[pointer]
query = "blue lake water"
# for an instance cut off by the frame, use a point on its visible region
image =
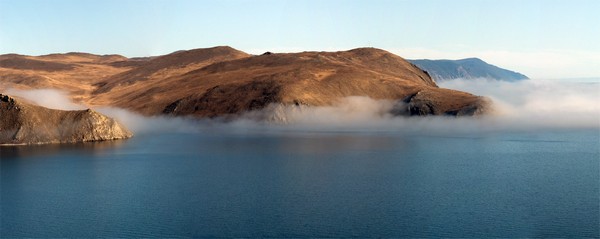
(306, 184)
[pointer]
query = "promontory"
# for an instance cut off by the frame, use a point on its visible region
(24, 123)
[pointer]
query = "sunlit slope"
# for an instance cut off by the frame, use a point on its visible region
(307, 78)
(221, 81)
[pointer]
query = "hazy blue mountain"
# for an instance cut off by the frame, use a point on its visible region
(466, 68)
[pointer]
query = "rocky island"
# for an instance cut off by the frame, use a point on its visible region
(24, 123)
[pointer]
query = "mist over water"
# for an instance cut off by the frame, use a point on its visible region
(140, 124)
(538, 103)
(346, 170)
(49, 98)
(517, 106)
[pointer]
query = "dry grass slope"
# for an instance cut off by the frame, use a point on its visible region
(218, 81)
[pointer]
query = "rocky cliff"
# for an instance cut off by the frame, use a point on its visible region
(23, 123)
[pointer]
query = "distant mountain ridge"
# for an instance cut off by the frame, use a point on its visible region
(469, 68)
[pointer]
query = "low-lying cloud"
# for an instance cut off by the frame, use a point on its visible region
(519, 106)
(137, 123)
(539, 103)
(140, 124)
(49, 98)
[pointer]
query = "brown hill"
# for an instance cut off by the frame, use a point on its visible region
(307, 78)
(152, 69)
(23, 123)
(220, 81)
(81, 57)
(79, 73)
(74, 73)
(24, 63)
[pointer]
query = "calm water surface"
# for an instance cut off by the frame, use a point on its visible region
(299, 184)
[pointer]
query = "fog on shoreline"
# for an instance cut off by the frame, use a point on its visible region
(518, 106)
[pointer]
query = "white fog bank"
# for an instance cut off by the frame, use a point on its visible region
(49, 98)
(521, 106)
(539, 103)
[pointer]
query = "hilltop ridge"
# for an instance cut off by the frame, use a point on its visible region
(222, 81)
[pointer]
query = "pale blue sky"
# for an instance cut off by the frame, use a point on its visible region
(540, 38)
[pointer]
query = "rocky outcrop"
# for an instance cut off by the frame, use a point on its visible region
(428, 102)
(23, 123)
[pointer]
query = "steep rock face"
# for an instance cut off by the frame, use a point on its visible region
(445, 102)
(22, 123)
